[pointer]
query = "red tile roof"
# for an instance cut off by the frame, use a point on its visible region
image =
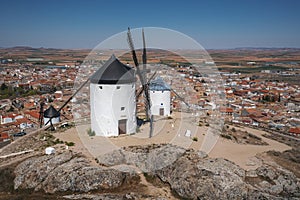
(295, 130)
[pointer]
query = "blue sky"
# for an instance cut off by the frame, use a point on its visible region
(214, 24)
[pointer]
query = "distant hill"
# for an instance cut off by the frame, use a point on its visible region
(266, 48)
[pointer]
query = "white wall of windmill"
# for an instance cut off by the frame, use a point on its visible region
(160, 100)
(109, 105)
(54, 120)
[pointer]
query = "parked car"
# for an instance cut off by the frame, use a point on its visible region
(20, 134)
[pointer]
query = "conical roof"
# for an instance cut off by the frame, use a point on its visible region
(159, 85)
(113, 72)
(51, 112)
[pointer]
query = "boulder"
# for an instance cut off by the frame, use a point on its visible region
(68, 172)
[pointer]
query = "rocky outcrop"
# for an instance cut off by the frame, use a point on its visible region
(274, 181)
(146, 158)
(67, 172)
(191, 174)
(196, 178)
(128, 196)
(194, 175)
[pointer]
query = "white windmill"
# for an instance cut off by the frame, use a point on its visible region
(112, 99)
(51, 115)
(160, 97)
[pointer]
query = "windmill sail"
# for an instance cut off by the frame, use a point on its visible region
(144, 57)
(140, 75)
(68, 100)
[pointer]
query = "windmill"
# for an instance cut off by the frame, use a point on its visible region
(52, 115)
(143, 79)
(142, 76)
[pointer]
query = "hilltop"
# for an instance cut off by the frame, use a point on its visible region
(150, 171)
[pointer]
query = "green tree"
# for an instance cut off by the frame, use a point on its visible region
(3, 86)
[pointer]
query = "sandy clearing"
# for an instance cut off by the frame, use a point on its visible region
(173, 131)
(244, 155)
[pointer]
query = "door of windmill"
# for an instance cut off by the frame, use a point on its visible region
(122, 126)
(161, 111)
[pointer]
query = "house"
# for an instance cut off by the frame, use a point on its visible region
(4, 137)
(295, 131)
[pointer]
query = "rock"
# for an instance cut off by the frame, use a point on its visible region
(277, 181)
(276, 189)
(251, 174)
(67, 172)
(115, 157)
(193, 177)
(202, 154)
(266, 172)
(128, 196)
(191, 174)
(146, 158)
(31, 172)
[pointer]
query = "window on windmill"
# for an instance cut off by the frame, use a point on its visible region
(122, 108)
(101, 87)
(118, 87)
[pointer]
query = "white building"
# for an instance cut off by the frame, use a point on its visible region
(160, 97)
(51, 112)
(113, 99)
(49, 150)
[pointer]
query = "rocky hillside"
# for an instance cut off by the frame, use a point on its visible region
(194, 175)
(169, 172)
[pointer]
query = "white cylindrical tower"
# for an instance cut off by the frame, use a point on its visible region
(160, 97)
(112, 99)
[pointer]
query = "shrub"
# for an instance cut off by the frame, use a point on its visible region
(58, 141)
(70, 144)
(226, 136)
(91, 132)
(195, 139)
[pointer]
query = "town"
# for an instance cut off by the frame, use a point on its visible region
(259, 94)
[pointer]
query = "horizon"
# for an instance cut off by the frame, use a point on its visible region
(215, 25)
(233, 48)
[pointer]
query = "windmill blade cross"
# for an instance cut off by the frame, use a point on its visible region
(144, 85)
(144, 56)
(180, 98)
(81, 86)
(140, 91)
(133, 53)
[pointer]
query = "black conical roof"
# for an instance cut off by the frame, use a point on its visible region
(51, 112)
(113, 72)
